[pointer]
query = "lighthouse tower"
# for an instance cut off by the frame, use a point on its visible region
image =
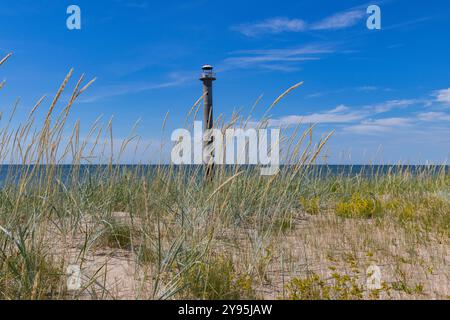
(207, 77)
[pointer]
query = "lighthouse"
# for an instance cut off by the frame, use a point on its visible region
(207, 77)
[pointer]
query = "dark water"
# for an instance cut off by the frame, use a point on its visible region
(9, 173)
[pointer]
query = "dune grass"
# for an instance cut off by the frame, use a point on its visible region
(165, 234)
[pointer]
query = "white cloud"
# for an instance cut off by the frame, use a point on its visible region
(109, 91)
(392, 104)
(340, 20)
(433, 116)
(278, 25)
(250, 60)
(343, 114)
(340, 114)
(367, 88)
(133, 4)
(443, 96)
(271, 26)
(364, 89)
(392, 122)
(274, 58)
(307, 49)
(378, 125)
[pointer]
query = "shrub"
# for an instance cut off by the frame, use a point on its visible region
(26, 272)
(313, 287)
(309, 288)
(217, 279)
(310, 205)
(116, 235)
(359, 207)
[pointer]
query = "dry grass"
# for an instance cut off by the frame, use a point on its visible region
(164, 234)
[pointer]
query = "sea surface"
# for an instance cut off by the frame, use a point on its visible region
(9, 173)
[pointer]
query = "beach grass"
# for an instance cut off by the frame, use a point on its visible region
(166, 233)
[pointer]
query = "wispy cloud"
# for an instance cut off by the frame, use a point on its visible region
(407, 23)
(365, 89)
(433, 116)
(340, 20)
(133, 4)
(115, 90)
(443, 96)
(274, 58)
(271, 26)
(378, 126)
(393, 104)
(340, 114)
(360, 119)
(278, 25)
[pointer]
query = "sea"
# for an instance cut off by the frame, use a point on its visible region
(9, 173)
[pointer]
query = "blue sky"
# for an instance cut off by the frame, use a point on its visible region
(385, 92)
